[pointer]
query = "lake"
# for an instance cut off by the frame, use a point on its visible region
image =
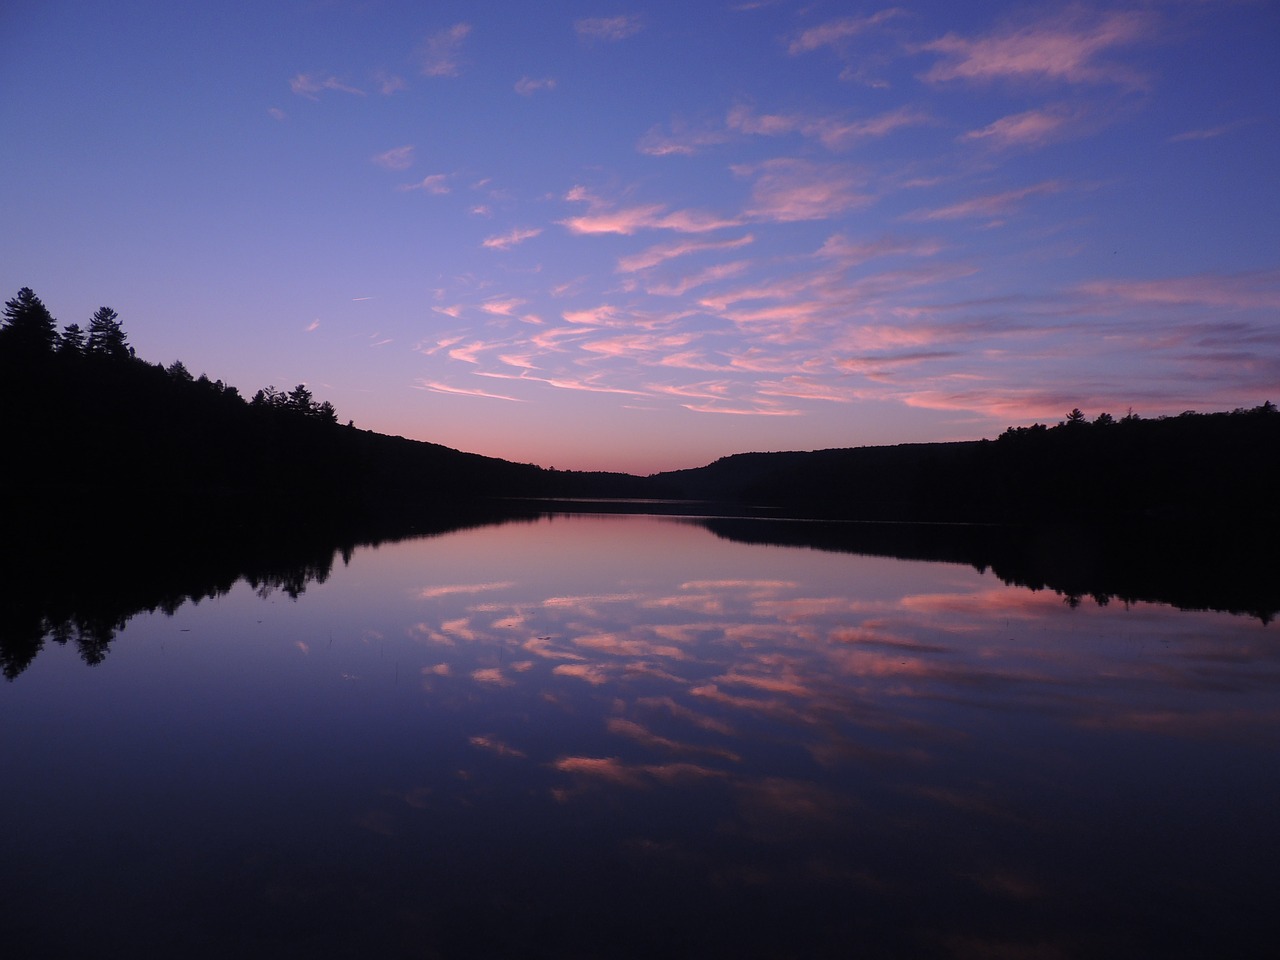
(600, 736)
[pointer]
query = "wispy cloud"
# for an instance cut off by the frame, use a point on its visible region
(436, 183)
(502, 306)
(833, 132)
(681, 139)
(720, 271)
(311, 86)
(453, 589)
(836, 33)
(1032, 128)
(1209, 133)
(608, 28)
(397, 158)
(441, 52)
(436, 387)
(851, 253)
(1068, 48)
(589, 384)
(629, 220)
(989, 206)
(469, 352)
(736, 411)
(789, 189)
(275, 113)
(528, 86)
(652, 256)
(389, 83)
(513, 237)
(1259, 289)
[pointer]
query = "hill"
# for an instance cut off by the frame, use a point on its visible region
(99, 442)
(1204, 468)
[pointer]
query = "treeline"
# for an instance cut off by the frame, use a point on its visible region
(1193, 468)
(98, 441)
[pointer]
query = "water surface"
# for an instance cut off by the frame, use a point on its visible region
(589, 736)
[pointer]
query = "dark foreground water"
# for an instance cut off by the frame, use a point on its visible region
(623, 736)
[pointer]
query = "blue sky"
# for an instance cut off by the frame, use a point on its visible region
(643, 236)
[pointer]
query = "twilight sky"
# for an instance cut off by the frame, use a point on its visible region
(643, 235)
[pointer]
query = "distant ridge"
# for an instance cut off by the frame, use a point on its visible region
(1216, 467)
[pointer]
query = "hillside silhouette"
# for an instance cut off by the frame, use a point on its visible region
(100, 441)
(1215, 468)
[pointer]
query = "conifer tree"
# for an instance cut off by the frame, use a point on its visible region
(28, 325)
(106, 336)
(71, 340)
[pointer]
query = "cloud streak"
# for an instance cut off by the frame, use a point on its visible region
(1068, 48)
(608, 29)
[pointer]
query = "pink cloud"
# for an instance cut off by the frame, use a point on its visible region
(1259, 289)
(660, 253)
(1209, 133)
(435, 387)
(1065, 49)
(651, 217)
(990, 206)
(436, 184)
(742, 411)
(592, 673)
(834, 33)
(502, 306)
(309, 86)
(468, 353)
(720, 271)
(452, 589)
(833, 132)
(495, 745)
(849, 253)
(389, 83)
(518, 361)
(397, 158)
(800, 388)
(603, 218)
(506, 241)
(441, 51)
(681, 140)
(608, 28)
(1033, 128)
(604, 315)
(788, 189)
(528, 86)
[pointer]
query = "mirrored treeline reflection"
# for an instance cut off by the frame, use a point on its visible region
(623, 736)
(84, 594)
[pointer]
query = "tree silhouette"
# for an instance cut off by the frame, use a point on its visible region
(72, 340)
(28, 325)
(106, 337)
(300, 399)
(1076, 419)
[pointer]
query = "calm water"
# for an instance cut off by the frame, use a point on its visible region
(606, 736)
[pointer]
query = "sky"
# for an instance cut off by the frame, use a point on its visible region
(640, 236)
